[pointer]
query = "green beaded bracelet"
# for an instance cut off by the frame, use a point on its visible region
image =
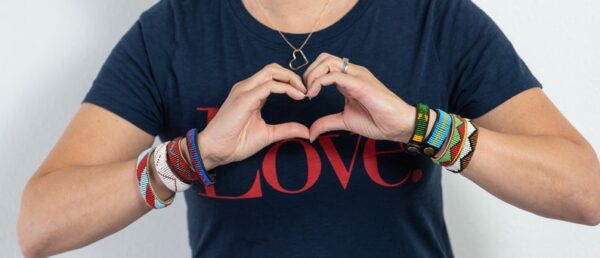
(421, 124)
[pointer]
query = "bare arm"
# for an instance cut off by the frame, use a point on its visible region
(529, 155)
(86, 188)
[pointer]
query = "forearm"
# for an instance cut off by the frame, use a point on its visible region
(75, 206)
(547, 175)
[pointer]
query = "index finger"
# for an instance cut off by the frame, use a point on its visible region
(278, 73)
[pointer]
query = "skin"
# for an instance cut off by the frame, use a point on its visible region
(548, 168)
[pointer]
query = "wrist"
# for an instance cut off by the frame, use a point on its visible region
(208, 160)
(409, 126)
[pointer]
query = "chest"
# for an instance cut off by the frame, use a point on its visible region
(204, 71)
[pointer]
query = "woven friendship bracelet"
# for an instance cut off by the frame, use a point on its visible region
(455, 138)
(143, 177)
(438, 136)
(195, 157)
(421, 124)
(468, 149)
(164, 172)
(178, 163)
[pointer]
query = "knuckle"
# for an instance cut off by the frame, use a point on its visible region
(235, 87)
(324, 55)
(265, 69)
(330, 65)
(240, 89)
(273, 66)
(363, 69)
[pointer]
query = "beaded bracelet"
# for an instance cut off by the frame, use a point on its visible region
(456, 149)
(441, 129)
(143, 178)
(468, 149)
(446, 142)
(164, 172)
(456, 136)
(179, 164)
(421, 124)
(195, 158)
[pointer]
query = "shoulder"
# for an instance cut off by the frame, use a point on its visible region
(167, 14)
(435, 11)
(163, 7)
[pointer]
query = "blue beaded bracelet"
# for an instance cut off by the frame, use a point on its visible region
(195, 156)
(441, 129)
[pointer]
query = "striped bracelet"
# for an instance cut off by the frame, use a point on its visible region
(178, 163)
(164, 172)
(143, 178)
(195, 158)
(441, 129)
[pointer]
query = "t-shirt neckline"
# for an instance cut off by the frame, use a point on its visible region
(271, 36)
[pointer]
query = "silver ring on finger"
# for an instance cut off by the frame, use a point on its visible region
(345, 66)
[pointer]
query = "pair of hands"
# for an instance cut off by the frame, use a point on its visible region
(238, 131)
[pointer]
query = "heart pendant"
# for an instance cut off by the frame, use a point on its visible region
(291, 64)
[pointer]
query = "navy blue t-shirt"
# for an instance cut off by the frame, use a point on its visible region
(343, 195)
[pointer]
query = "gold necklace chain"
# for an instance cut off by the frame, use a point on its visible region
(299, 49)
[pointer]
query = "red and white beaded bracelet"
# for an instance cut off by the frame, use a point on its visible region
(143, 177)
(164, 171)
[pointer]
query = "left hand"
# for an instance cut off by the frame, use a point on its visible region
(370, 108)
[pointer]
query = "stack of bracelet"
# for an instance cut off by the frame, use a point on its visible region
(143, 177)
(452, 140)
(172, 167)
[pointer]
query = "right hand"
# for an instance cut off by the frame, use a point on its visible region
(238, 131)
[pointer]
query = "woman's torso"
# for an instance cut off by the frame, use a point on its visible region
(342, 195)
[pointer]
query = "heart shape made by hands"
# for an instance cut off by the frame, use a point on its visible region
(294, 58)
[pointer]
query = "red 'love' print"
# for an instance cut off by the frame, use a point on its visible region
(314, 163)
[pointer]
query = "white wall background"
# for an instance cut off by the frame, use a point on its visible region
(50, 51)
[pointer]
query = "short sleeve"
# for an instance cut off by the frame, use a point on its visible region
(125, 84)
(482, 66)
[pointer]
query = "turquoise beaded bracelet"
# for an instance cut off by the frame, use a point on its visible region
(441, 129)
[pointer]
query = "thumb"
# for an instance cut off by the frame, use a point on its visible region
(327, 123)
(288, 130)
